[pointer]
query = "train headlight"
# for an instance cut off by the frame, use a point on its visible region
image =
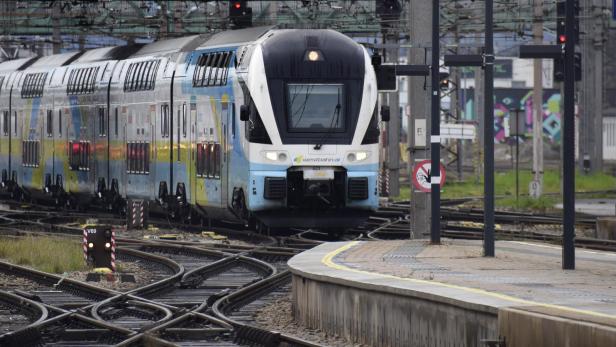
(275, 156)
(313, 55)
(107, 245)
(90, 245)
(358, 156)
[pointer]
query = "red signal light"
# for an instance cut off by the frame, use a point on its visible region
(562, 38)
(237, 5)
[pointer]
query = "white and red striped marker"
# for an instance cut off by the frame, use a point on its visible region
(85, 245)
(113, 250)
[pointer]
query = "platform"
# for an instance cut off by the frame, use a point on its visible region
(594, 207)
(401, 293)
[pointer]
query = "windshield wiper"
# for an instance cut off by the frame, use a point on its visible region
(333, 123)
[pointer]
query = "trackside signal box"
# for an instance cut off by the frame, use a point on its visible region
(99, 246)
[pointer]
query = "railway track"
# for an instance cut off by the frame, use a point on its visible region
(205, 294)
(175, 308)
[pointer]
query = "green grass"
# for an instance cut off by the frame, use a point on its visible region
(504, 185)
(49, 254)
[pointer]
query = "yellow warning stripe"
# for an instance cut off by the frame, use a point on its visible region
(329, 262)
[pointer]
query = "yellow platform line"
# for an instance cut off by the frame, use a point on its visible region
(329, 262)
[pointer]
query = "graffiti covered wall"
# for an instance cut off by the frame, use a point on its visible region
(506, 99)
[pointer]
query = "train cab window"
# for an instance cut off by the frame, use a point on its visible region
(79, 155)
(49, 123)
(102, 122)
(5, 123)
(138, 158)
(315, 108)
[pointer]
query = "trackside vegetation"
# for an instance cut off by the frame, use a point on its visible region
(49, 254)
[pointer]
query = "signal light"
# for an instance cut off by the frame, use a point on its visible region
(562, 39)
(240, 14)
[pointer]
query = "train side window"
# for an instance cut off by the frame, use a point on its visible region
(82, 155)
(129, 155)
(233, 119)
(208, 70)
(164, 120)
(73, 154)
(222, 67)
(116, 122)
(184, 127)
(201, 155)
(37, 147)
(59, 123)
(214, 69)
(5, 123)
(102, 122)
(142, 155)
(24, 153)
(78, 155)
(178, 134)
(146, 158)
(138, 158)
(49, 123)
(216, 155)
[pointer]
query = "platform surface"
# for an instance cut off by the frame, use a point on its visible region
(522, 274)
(594, 207)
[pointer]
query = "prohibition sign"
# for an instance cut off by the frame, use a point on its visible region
(421, 176)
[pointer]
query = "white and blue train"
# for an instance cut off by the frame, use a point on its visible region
(277, 127)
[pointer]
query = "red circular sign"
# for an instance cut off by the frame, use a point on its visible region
(421, 176)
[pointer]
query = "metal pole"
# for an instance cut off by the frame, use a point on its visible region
(420, 35)
(568, 143)
(517, 158)
(488, 187)
(538, 97)
(435, 141)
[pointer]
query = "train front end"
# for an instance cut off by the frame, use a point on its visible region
(310, 130)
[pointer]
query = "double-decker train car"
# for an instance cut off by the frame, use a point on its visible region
(270, 127)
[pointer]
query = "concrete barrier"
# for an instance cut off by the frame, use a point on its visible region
(537, 326)
(377, 318)
(606, 228)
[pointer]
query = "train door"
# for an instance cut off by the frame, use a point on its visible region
(224, 163)
(162, 129)
(48, 151)
(100, 145)
(192, 162)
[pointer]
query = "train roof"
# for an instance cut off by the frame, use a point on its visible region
(239, 36)
(163, 47)
(55, 60)
(108, 53)
(17, 64)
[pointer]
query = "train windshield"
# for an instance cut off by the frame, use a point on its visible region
(315, 108)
